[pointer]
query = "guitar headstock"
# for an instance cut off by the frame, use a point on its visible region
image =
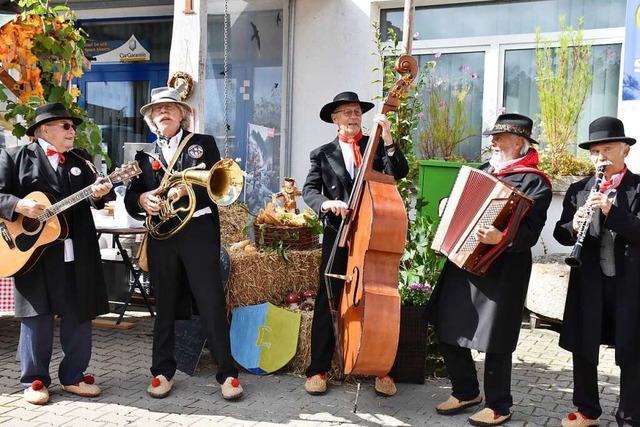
(125, 172)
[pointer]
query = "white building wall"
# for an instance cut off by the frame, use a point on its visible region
(333, 52)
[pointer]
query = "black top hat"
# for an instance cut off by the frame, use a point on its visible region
(606, 129)
(49, 112)
(516, 124)
(343, 98)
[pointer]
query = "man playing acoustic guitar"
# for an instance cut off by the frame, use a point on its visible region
(67, 279)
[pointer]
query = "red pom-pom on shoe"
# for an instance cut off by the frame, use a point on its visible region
(89, 379)
(37, 385)
(235, 382)
(572, 416)
(155, 382)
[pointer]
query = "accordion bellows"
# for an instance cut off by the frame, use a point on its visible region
(478, 199)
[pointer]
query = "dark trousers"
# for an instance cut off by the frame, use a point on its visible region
(464, 378)
(36, 341)
(586, 391)
(189, 261)
(585, 374)
(322, 334)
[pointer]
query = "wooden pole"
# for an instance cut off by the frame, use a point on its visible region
(407, 34)
(9, 82)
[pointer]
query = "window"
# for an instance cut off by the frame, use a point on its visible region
(497, 39)
(521, 92)
(252, 101)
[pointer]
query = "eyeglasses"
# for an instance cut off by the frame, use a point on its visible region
(349, 113)
(65, 126)
(164, 106)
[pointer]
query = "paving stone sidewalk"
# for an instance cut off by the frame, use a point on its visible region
(541, 390)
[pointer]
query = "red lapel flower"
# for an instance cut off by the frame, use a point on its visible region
(155, 165)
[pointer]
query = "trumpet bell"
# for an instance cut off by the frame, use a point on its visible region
(225, 183)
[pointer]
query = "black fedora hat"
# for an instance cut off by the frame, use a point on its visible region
(516, 124)
(606, 129)
(50, 112)
(343, 98)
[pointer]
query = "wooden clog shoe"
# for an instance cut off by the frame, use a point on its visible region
(452, 405)
(316, 385)
(577, 419)
(160, 387)
(488, 417)
(85, 388)
(36, 393)
(385, 386)
(231, 389)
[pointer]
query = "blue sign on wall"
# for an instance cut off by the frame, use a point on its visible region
(631, 77)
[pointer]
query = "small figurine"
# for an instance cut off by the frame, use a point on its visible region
(288, 192)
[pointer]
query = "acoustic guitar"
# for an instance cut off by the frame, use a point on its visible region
(24, 239)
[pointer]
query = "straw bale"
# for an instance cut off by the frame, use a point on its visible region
(261, 277)
(232, 220)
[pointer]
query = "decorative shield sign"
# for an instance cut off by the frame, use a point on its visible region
(264, 337)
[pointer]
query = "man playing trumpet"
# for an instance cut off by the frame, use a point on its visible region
(603, 300)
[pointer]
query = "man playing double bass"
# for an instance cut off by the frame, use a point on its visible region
(485, 313)
(334, 167)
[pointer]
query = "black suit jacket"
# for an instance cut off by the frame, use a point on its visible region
(582, 320)
(328, 178)
(200, 149)
(26, 169)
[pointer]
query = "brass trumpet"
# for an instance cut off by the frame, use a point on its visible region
(224, 183)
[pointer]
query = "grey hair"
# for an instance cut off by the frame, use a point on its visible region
(184, 122)
(525, 147)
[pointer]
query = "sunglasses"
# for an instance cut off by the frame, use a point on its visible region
(65, 126)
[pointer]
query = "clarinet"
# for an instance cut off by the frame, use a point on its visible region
(573, 259)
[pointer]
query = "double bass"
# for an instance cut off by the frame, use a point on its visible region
(367, 322)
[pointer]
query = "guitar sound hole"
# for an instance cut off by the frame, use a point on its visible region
(31, 225)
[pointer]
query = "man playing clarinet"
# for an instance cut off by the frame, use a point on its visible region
(603, 300)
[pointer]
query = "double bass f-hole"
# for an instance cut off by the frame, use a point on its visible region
(355, 277)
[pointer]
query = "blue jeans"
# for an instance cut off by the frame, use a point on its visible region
(36, 342)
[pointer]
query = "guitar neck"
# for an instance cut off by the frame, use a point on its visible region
(66, 203)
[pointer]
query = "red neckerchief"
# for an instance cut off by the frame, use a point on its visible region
(526, 164)
(51, 153)
(357, 156)
(614, 182)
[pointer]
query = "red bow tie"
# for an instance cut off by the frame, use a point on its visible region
(53, 153)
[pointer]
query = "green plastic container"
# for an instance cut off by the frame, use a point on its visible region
(435, 180)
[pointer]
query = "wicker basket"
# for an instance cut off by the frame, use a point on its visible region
(292, 237)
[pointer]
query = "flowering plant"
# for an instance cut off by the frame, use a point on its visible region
(419, 265)
(444, 123)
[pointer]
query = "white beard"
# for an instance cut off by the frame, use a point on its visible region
(498, 158)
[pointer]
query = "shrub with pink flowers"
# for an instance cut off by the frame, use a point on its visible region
(444, 123)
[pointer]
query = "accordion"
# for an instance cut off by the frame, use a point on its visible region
(478, 199)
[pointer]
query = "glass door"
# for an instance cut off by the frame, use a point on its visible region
(113, 96)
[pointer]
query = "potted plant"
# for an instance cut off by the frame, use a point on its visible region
(563, 75)
(443, 126)
(419, 271)
(44, 50)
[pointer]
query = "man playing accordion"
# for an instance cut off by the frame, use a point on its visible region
(485, 312)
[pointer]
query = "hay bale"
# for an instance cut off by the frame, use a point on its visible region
(233, 219)
(261, 277)
(300, 362)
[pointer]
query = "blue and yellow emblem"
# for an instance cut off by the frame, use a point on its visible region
(264, 338)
